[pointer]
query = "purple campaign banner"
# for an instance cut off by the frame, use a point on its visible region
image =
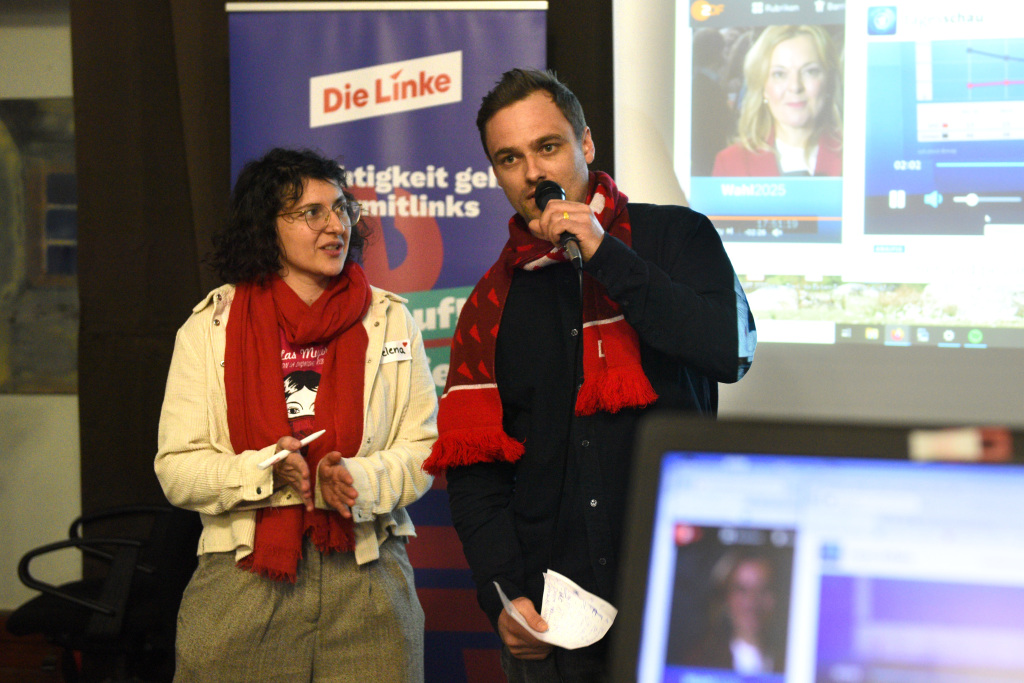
(393, 94)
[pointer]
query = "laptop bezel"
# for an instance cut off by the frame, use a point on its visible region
(663, 433)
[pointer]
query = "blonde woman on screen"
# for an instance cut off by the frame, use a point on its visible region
(790, 119)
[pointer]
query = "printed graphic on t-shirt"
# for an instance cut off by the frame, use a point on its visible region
(300, 393)
(302, 367)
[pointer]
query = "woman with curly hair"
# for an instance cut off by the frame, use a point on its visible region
(790, 119)
(303, 573)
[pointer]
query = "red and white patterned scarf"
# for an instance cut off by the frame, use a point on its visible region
(469, 419)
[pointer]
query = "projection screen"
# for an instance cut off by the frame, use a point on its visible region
(884, 273)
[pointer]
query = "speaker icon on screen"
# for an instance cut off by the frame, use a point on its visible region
(933, 199)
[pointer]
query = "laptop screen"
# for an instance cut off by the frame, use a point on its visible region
(833, 567)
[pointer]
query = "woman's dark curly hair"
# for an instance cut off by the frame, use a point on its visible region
(247, 249)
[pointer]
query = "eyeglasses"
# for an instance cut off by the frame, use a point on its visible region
(318, 216)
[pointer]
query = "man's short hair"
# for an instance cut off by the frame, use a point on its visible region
(518, 84)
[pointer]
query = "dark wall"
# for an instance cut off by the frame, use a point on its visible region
(580, 51)
(152, 131)
(151, 119)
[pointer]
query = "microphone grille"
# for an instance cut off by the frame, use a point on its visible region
(546, 191)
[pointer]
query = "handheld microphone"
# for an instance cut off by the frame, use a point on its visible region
(545, 192)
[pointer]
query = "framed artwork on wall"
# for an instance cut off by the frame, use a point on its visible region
(38, 247)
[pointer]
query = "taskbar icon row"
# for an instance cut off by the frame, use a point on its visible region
(941, 336)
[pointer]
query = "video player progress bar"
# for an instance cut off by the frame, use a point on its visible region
(979, 164)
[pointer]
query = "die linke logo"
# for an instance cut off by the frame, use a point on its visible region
(385, 89)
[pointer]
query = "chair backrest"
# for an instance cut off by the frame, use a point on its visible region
(172, 552)
(124, 613)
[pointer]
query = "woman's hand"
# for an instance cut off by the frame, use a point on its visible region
(293, 470)
(336, 484)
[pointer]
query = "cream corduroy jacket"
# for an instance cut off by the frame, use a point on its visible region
(199, 469)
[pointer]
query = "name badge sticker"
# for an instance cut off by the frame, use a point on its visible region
(396, 350)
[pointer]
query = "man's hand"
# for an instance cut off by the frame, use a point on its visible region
(336, 484)
(562, 216)
(518, 640)
(293, 470)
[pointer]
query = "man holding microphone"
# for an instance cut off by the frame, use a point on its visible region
(556, 357)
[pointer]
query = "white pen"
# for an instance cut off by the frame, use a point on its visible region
(281, 455)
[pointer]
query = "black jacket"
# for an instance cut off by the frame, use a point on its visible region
(561, 505)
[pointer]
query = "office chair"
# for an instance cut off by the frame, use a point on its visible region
(120, 625)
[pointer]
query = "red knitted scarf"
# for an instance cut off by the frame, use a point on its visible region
(256, 403)
(469, 417)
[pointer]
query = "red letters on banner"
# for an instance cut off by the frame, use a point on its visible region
(386, 91)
